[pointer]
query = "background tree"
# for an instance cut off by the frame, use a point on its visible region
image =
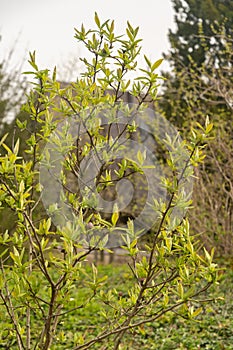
(201, 84)
(12, 91)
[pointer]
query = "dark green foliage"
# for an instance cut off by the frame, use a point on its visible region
(192, 18)
(200, 85)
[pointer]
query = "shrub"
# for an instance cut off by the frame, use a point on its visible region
(86, 133)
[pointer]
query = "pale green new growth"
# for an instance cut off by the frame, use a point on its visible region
(44, 267)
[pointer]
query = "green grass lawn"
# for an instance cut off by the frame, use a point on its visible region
(212, 329)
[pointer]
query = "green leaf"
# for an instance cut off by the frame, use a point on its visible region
(165, 300)
(21, 186)
(168, 241)
(21, 125)
(197, 312)
(3, 139)
(48, 224)
(115, 216)
(156, 64)
(111, 29)
(7, 148)
(208, 256)
(3, 253)
(147, 61)
(97, 21)
(16, 147)
(54, 73)
(141, 157)
(94, 272)
(130, 35)
(32, 60)
(209, 127)
(180, 290)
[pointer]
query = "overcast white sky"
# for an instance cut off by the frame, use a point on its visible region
(47, 26)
